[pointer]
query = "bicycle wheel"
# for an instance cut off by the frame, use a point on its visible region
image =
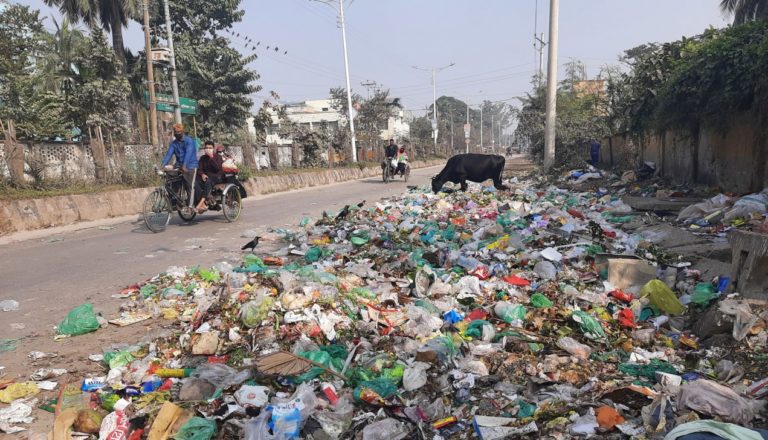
(407, 173)
(385, 174)
(231, 203)
(185, 212)
(157, 211)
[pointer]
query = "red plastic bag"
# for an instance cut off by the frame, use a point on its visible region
(626, 318)
(516, 280)
(481, 272)
(622, 295)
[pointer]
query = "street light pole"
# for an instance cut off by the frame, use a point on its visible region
(150, 77)
(549, 135)
(346, 72)
(434, 96)
(174, 84)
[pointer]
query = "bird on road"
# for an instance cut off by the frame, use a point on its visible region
(343, 213)
(251, 244)
(360, 205)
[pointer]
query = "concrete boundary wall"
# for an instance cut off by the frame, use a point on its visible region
(33, 214)
(733, 157)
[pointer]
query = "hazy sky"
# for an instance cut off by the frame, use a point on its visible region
(491, 42)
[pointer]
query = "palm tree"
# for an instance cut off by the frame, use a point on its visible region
(59, 69)
(744, 11)
(111, 15)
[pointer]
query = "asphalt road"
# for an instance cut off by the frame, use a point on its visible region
(50, 275)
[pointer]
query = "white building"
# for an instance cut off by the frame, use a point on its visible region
(318, 114)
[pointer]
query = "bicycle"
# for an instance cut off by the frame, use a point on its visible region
(386, 171)
(173, 195)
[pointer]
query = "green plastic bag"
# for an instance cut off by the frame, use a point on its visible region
(197, 428)
(394, 374)
(703, 293)
(540, 301)
(359, 238)
(148, 290)
(526, 409)
(209, 275)
(332, 356)
(588, 325)
(313, 254)
(79, 321)
(382, 388)
(475, 329)
(648, 370)
(662, 297)
(117, 358)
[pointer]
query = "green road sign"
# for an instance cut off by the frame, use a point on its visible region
(165, 104)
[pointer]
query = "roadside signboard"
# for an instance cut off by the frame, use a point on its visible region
(165, 104)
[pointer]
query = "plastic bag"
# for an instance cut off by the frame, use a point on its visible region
(481, 329)
(415, 376)
(385, 429)
(662, 297)
(703, 293)
(117, 359)
(588, 325)
(221, 375)
(288, 417)
(375, 392)
(254, 312)
(545, 270)
(540, 301)
(197, 428)
(711, 398)
(79, 321)
(575, 348)
(513, 314)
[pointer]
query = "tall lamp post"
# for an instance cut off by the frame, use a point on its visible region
(342, 24)
(549, 134)
(434, 71)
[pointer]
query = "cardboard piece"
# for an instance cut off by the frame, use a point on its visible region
(625, 271)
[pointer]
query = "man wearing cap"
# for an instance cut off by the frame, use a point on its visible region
(183, 148)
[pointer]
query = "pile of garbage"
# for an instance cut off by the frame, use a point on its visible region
(721, 212)
(523, 313)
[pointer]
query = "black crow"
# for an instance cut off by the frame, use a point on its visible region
(343, 213)
(251, 244)
(360, 205)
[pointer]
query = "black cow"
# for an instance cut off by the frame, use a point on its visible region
(471, 166)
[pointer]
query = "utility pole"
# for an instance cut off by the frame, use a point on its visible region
(150, 77)
(368, 86)
(481, 127)
(549, 135)
(453, 151)
(174, 84)
(493, 141)
(538, 44)
(466, 135)
(434, 96)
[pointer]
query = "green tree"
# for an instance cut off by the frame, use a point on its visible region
(58, 69)
(744, 11)
(217, 76)
(110, 15)
(209, 69)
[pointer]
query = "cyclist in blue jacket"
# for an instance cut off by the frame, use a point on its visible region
(183, 149)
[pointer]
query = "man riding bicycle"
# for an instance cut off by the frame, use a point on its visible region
(183, 149)
(390, 152)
